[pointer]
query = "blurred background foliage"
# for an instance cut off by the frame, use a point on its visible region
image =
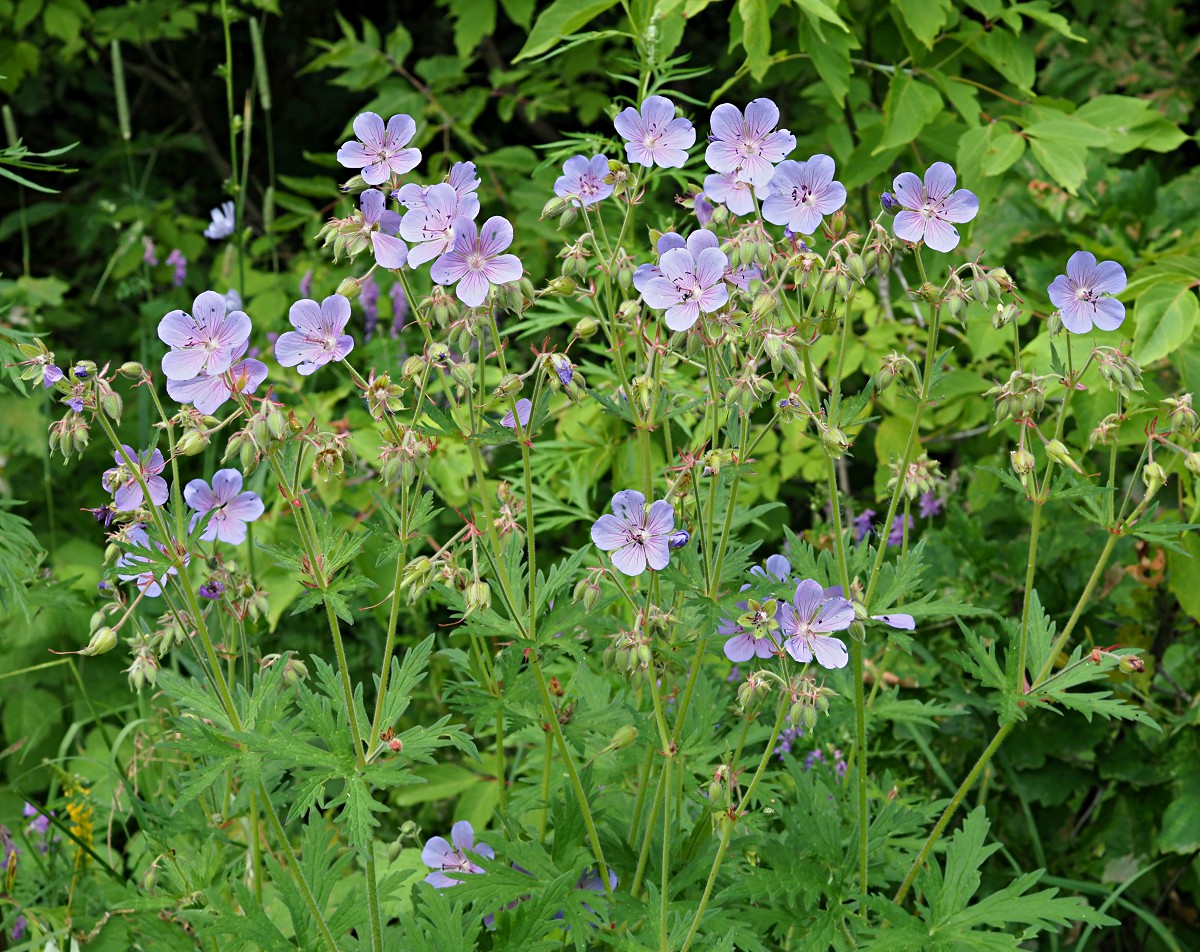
(1074, 123)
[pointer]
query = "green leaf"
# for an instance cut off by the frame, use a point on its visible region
(823, 10)
(910, 106)
(1011, 57)
(558, 21)
(924, 17)
(830, 52)
(1062, 161)
(1185, 575)
(1165, 317)
(756, 36)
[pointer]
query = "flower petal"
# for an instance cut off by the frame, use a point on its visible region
(830, 652)
(198, 495)
(1109, 314)
(226, 483)
(909, 191)
(369, 129)
(939, 181)
(1109, 278)
(608, 532)
(390, 253)
(940, 235)
(629, 506)
(472, 288)
(630, 559)
(960, 207)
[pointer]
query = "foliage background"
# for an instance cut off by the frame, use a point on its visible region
(1073, 122)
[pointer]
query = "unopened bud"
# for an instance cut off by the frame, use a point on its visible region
(586, 327)
(1154, 477)
(478, 597)
(350, 288)
(191, 443)
(105, 639)
(131, 369)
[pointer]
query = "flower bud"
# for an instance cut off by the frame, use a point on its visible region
(104, 639)
(1154, 477)
(132, 369)
(350, 288)
(678, 539)
(417, 576)
(561, 286)
(1131, 664)
(1022, 461)
(586, 327)
(191, 443)
(478, 597)
(836, 442)
(553, 208)
(1192, 463)
(1058, 452)
(889, 203)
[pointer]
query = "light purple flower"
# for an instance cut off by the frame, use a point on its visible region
(1078, 294)
(929, 505)
(431, 223)
(380, 153)
(655, 136)
(777, 567)
(475, 262)
(147, 582)
(464, 179)
(689, 286)
(20, 924)
(180, 264)
(899, 524)
(127, 494)
(50, 376)
(862, 524)
(230, 507)
(318, 337)
(583, 180)
(443, 857)
(747, 147)
(679, 539)
(380, 225)
(929, 209)
(636, 538)
(399, 308)
(807, 621)
(703, 208)
(802, 193)
(889, 203)
(306, 281)
(207, 392)
(149, 254)
(223, 222)
(524, 408)
(203, 341)
(736, 195)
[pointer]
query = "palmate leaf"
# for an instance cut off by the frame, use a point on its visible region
(946, 919)
(1055, 691)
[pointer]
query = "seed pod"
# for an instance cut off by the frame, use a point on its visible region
(586, 327)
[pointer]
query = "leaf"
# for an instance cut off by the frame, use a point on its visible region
(756, 36)
(1011, 57)
(558, 21)
(1165, 317)
(910, 106)
(830, 52)
(1185, 575)
(822, 10)
(924, 17)
(1063, 162)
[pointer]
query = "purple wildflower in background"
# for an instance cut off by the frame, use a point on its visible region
(735, 194)
(443, 857)
(176, 260)
(20, 924)
(862, 524)
(149, 253)
(399, 308)
(128, 495)
(475, 262)
(929, 208)
(39, 823)
(786, 737)
(807, 621)
(369, 299)
(1078, 294)
(381, 225)
(306, 283)
(223, 222)
(203, 341)
(655, 136)
(633, 536)
(524, 408)
(899, 524)
(148, 583)
(747, 147)
(688, 286)
(583, 180)
(380, 151)
(318, 337)
(230, 507)
(929, 505)
(212, 589)
(801, 194)
(6, 841)
(207, 392)
(431, 224)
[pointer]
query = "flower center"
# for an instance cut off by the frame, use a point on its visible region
(1087, 295)
(638, 535)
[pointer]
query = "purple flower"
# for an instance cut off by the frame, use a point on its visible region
(127, 493)
(149, 255)
(442, 857)
(380, 226)
(20, 924)
(583, 180)
(399, 308)
(463, 179)
(306, 283)
(862, 524)
(212, 589)
(655, 136)
(727, 188)
(180, 264)
(896, 534)
(369, 299)
(679, 539)
(50, 376)
(524, 408)
(1078, 294)
(207, 392)
(802, 193)
(203, 341)
(929, 209)
(475, 262)
(689, 285)
(380, 153)
(147, 582)
(432, 222)
(808, 619)
(747, 147)
(703, 208)
(318, 336)
(897, 620)
(778, 568)
(230, 507)
(930, 505)
(889, 203)
(223, 222)
(636, 538)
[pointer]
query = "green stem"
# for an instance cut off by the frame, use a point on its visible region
(665, 881)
